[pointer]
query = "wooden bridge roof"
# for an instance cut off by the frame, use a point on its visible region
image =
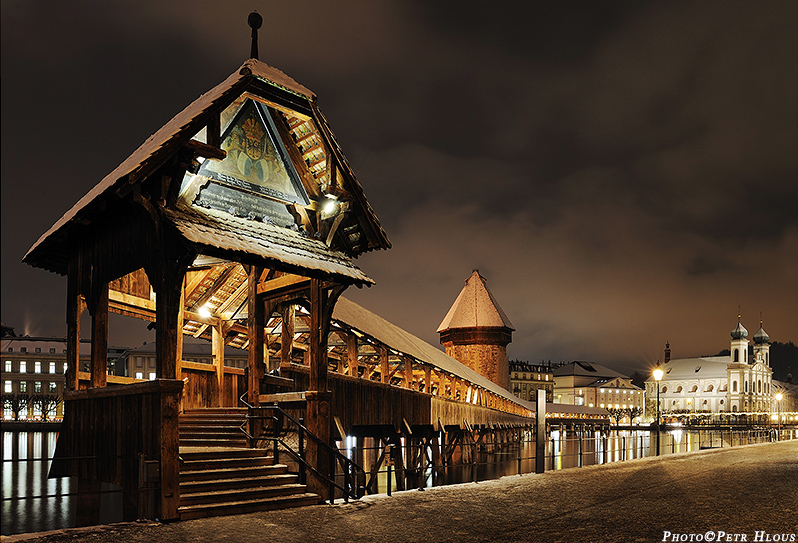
(315, 153)
(371, 324)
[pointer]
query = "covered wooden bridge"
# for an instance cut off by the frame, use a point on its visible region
(238, 222)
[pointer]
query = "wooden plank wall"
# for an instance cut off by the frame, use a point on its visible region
(106, 429)
(358, 402)
(201, 389)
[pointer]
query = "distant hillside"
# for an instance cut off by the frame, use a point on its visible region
(783, 359)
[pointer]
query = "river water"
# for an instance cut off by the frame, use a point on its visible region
(33, 503)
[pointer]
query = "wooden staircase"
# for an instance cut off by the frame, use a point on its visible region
(220, 476)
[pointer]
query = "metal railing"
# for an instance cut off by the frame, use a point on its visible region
(275, 418)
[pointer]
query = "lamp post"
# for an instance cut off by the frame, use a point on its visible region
(778, 411)
(658, 373)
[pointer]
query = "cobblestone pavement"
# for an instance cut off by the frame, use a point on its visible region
(745, 493)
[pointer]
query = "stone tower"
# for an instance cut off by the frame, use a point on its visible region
(476, 331)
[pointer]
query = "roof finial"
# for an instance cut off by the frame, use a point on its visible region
(255, 21)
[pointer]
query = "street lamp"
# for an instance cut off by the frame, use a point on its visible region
(658, 373)
(778, 408)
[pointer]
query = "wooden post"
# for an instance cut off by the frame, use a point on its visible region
(256, 321)
(351, 352)
(318, 398)
(99, 338)
(170, 462)
(287, 335)
(74, 310)
(217, 346)
(179, 346)
(171, 261)
(427, 379)
(408, 373)
(384, 367)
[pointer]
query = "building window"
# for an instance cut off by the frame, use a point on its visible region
(37, 349)
(152, 376)
(52, 367)
(23, 386)
(37, 386)
(52, 350)
(52, 387)
(736, 355)
(8, 365)
(23, 349)
(23, 366)
(139, 375)
(139, 362)
(7, 388)
(746, 386)
(37, 367)
(734, 386)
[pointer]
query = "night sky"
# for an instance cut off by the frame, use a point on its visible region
(622, 173)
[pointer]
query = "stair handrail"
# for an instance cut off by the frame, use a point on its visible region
(353, 473)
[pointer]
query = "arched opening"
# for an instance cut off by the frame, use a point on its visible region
(736, 355)
(734, 386)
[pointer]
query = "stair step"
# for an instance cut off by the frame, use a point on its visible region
(201, 433)
(202, 453)
(221, 442)
(224, 463)
(247, 506)
(237, 473)
(240, 494)
(191, 487)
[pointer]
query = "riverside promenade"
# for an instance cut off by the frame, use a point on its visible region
(747, 493)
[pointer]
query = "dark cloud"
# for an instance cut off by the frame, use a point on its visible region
(622, 172)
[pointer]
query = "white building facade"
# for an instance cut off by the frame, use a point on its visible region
(737, 383)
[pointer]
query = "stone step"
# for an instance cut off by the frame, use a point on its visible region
(248, 506)
(217, 442)
(234, 473)
(224, 463)
(240, 494)
(211, 453)
(191, 487)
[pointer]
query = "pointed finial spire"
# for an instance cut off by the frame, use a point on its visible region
(255, 21)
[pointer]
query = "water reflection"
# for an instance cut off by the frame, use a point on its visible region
(31, 501)
(34, 503)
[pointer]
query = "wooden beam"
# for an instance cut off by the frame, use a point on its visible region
(99, 337)
(287, 334)
(283, 282)
(217, 346)
(384, 367)
(351, 351)
(74, 310)
(206, 151)
(256, 321)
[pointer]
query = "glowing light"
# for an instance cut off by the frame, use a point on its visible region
(204, 311)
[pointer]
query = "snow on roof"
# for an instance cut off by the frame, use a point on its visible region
(170, 133)
(586, 369)
(694, 368)
(215, 229)
(475, 307)
(355, 316)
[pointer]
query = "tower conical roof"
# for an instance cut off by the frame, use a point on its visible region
(475, 307)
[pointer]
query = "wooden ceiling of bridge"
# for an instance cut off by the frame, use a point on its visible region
(215, 295)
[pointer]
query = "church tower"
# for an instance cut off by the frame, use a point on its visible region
(476, 331)
(762, 345)
(739, 343)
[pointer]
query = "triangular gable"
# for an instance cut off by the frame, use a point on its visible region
(356, 231)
